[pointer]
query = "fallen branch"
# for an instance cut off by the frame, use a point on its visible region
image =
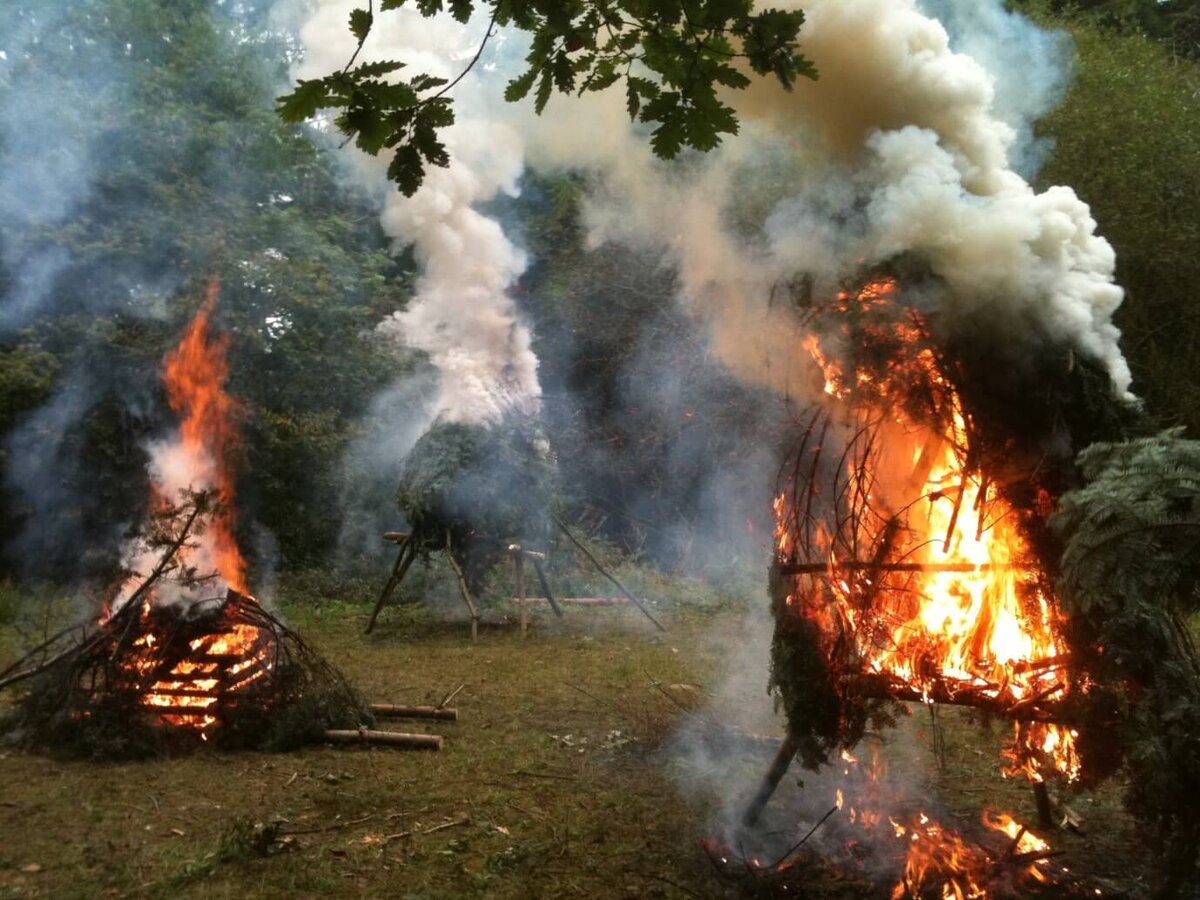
(442, 827)
(450, 696)
(396, 739)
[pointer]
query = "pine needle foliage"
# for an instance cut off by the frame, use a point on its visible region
(1128, 584)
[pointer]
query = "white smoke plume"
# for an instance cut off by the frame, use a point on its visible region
(462, 315)
(898, 148)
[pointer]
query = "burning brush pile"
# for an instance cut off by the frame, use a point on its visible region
(916, 562)
(181, 653)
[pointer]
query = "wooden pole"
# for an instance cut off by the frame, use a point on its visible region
(774, 775)
(395, 739)
(394, 711)
(466, 593)
(519, 572)
(542, 580)
(603, 571)
(408, 553)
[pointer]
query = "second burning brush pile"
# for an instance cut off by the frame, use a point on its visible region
(914, 563)
(180, 652)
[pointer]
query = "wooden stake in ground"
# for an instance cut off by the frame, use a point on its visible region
(519, 575)
(595, 562)
(408, 553)
(395, 739)
(542, 580)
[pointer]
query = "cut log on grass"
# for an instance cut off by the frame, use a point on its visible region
(393, 711)
(394, 739)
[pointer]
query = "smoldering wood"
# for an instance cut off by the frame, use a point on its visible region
(395, 711)
(875, 686)
(770, 781)
(854, 565)
(101, 677)
(394, 739)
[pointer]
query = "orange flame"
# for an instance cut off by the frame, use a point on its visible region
(187, 692)
(195, 373)
(962, 618)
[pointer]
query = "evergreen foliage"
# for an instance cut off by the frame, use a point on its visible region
(1129, 580)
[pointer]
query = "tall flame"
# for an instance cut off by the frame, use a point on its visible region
(194, 374)
(959, 616)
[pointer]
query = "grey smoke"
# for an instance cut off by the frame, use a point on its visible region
(49, 158)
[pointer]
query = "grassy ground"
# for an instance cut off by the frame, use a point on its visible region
(561, 779)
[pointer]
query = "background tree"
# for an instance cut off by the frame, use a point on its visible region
(193, 176)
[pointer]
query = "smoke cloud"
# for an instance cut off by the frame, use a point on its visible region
(462, 315)
(903, 146)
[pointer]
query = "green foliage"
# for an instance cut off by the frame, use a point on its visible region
(1140, 106)
(1175, 23)
(462, 479)
(1129, 576)
(196, 178)
(673, 55)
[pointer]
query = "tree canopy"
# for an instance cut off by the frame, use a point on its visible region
(672, 56)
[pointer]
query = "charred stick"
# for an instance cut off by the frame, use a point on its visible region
(395, 739)
(958, 500)
(392, 711)
(804, 840)
(779, 766)
(1045, 809)
(595, 562)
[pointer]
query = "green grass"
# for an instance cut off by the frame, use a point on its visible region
(556, 782)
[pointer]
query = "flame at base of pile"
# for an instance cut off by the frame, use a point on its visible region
(905, 572)
(152, 680)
